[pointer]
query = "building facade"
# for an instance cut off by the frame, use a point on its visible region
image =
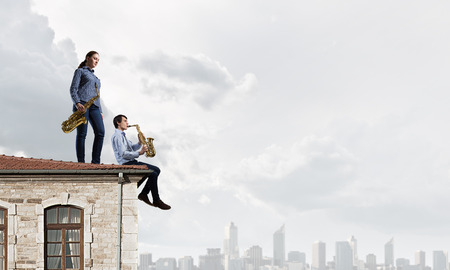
(66, 215)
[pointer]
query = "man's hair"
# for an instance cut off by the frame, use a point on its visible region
(118, 119)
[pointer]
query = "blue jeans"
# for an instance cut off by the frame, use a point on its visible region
(152, 179)
(94, 117)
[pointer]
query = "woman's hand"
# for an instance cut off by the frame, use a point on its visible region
(80, 107)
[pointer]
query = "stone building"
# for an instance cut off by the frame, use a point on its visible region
(67, 215)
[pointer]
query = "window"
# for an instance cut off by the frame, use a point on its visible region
(63, 238)
(3, 237)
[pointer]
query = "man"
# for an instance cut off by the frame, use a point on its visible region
(126, 153)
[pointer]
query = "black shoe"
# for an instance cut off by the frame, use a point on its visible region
(143, 197)
(160, 204)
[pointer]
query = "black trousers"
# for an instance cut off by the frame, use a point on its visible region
(152, 179)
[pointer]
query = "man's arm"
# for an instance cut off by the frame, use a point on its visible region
(121, 150)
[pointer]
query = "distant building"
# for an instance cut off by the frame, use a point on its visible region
(389, 253)
(67, 215)
(354, 245)
(186, 263)
(297, 256)
(145, 261)
(402, 263)
(279, 253)
(371, 262)
(440, 260)
(318, 256)
(295, 266)
(166, 264)
(232, 260)
(253, 258)
(344, 256)
(419, 259)
(212, 260)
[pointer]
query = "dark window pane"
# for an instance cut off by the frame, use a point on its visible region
(54, 235)
(63, 216)
(1, 236)
(54, 262)
(72, 249)
(2, 217)
(75, 215)
(53, 249)
(73, 263)
(51, 216)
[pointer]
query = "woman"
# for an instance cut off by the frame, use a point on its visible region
(83, 89)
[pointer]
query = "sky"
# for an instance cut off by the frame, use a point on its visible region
(327, 116)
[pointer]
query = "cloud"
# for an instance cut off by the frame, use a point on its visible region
(35, 76)
(192, 77)
(300, 176)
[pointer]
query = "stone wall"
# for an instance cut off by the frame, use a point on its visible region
(26, 200)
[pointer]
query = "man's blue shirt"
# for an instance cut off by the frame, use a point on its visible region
(82, 88)
(124, 149)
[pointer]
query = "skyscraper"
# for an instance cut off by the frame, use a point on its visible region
(419, 259)
(279, 254)
(440, 260)
(389, 253)
(318, 256)
(354, 245)
(230, 244)
(230, 248)
(344, 256)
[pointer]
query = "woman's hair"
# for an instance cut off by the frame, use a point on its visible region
(89, 54)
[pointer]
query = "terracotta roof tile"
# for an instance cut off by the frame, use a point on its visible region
(21, 163)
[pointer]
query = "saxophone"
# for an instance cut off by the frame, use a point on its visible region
(145, 141)
(78, 118)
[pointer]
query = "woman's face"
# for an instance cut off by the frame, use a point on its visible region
(92, 61)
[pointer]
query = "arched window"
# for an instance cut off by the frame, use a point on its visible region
(63, 237)
(3, 237)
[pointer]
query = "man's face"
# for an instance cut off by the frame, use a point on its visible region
(123, 125)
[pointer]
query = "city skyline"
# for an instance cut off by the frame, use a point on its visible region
(344, 253)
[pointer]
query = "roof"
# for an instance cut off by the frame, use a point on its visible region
(28, 164)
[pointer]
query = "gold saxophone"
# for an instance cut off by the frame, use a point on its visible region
(77, 118)
(145, 141)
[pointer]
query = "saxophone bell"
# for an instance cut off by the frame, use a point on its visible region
(77, 118)
(151, 152)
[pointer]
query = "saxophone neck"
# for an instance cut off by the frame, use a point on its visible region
(137, 128)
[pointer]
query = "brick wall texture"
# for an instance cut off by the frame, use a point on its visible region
(27, 199)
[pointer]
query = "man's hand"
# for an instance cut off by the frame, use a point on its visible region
(143, 150)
